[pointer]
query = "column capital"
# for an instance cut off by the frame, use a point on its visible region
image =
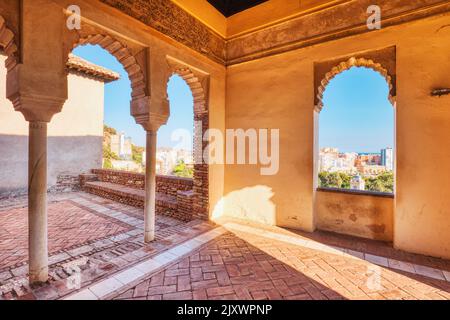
(37, 108)
(150, 112)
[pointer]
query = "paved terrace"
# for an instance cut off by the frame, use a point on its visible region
(97, 252)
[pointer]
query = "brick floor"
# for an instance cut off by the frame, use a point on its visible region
(96, 243)
(89, 238)
(68, 225)
(250, 267)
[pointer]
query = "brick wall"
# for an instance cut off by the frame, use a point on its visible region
(175, 196)
(168, 185)
(66, 183)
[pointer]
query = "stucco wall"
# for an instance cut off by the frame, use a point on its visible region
(278, 92)
(74, 135)
(363, 215)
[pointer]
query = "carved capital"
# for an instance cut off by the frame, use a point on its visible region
(150, 113)
(7, 44)
(37, 108)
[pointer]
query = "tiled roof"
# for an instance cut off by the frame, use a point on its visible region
(78, 64)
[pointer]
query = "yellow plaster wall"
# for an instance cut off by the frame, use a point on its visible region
(277, 92)
(365, 216)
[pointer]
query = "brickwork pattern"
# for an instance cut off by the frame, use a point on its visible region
(68, 225)
(90, 238)
(248, 267)
(66, 183)
(174, 196)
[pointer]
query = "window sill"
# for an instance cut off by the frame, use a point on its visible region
(358, 192)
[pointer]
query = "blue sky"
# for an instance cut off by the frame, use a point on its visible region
(357, 115)
(118, 95)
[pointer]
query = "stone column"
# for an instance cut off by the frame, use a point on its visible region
(37, 202)
(151, 113)
(150, 187)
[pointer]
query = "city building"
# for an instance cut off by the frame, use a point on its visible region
(370, 159)
(168, 158)
(387, 158)
(367, 164)
(122, 146)
(357, 183)
(371, 170)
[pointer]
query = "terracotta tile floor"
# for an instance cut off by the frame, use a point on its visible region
(97, 251)
(250, 267)
(69, 225)
(89, 238)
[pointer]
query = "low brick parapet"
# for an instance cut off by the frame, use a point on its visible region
(165, 184)
(174, 194)
(185, 205)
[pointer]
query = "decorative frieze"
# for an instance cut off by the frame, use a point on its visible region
(171, 20)
(306, 29)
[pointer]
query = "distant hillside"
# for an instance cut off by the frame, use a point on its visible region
(108, 155)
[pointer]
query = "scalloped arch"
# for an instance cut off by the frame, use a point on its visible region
(124, 56)
(198, 82)
(346, 65)
(196, 86)
(7, 44)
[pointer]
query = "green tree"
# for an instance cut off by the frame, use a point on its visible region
(345, 178)
(183, 170)
(108, 154)
(137, 153)
(339, 180)
(382, 183)
(108, 130)
(107, 164)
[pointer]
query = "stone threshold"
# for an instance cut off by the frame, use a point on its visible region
(386, 262)
(126, 279)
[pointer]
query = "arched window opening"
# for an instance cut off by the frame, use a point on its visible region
(175, 140)
(356, 133)
(123, 139)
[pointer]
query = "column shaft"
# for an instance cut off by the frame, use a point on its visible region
(37, 202)
(150, 187)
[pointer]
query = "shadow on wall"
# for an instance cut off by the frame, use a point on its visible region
(250, 203)
(66, 155)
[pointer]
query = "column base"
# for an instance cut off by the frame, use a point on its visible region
(149, 236)
(38, 276)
